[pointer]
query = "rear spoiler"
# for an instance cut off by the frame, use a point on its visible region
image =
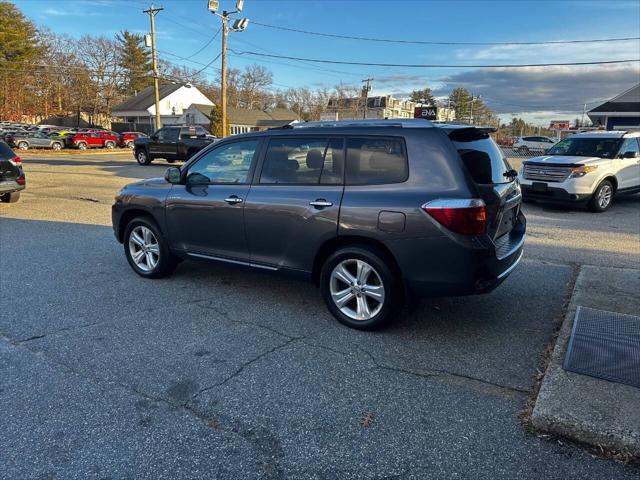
(469, 134)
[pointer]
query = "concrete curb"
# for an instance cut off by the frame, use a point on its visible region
(586, 409)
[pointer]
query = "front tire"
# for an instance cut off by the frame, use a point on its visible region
(12, 197)
(602, 197)
(142, 158)
(109, 145)
(360, 287)
(23, 146)
(146, 249)
(82, 146)
(56, 146)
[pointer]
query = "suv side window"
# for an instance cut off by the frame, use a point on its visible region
(229, 163)
(303, 161)
(375, 161)
(630, 145)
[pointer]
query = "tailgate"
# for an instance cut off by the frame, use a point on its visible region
(493, 177)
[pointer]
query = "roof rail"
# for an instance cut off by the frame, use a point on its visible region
(386, 122)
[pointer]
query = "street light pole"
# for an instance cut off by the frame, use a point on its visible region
(154, 61)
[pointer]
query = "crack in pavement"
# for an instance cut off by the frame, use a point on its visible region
(263, 459)
(242, 368)
(467, 380)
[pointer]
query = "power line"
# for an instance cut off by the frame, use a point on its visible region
(205, 45)
(429, 42)
(436, 65)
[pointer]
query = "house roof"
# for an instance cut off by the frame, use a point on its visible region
(627, 102)
(619, 107)
(203, 109)
(276, 117)
(146, 98)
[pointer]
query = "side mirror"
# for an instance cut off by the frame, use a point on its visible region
(172, 175)
(154, 137)
(630, 154)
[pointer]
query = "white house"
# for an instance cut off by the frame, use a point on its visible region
(140, 109)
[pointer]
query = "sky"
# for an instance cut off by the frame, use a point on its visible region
(535, 93)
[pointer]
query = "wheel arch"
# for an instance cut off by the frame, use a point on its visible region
(331, 245)
(128, 215)
(612, 178)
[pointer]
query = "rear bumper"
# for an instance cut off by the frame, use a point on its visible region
(438, 266)
(553, 194)
(10, 186)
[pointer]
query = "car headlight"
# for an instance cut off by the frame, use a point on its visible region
(582, 171)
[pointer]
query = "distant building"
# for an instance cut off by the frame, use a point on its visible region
(377, 107)
(241, 120)
(621, 112)
(139, 110)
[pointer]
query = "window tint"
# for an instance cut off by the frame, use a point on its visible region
(630, 145)
(375, 160)
(303, 161)
(484, 161)
(228, 163)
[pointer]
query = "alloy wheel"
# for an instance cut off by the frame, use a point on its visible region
(144, 248)
(357, 289)
(604, 196)
(141, 157)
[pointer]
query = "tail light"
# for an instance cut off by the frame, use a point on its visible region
(463, 216)
(20, 180)
(16, 161)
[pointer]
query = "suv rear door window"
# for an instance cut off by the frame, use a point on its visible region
(303, 161)
(376, 161)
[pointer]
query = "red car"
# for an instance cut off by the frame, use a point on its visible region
(84, 140)
(127, 138)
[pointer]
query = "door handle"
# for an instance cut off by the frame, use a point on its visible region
(233, 199)
(320, 203)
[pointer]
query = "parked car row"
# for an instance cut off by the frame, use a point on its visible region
(81, 139)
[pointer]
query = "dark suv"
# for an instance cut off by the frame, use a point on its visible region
(372, 211)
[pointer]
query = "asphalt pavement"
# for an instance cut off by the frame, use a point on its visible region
(225, 373)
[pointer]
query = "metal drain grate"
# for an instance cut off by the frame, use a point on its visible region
(605, 345)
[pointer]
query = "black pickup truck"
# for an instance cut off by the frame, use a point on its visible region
(172, 143)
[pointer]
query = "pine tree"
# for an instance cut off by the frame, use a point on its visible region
(423, 96)
(135, 59)
(216, 122)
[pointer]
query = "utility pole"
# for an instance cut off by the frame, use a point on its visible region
(223, 75)
(365, 90)
(154, 60)
(239, 25)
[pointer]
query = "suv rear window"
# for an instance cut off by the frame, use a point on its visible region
(375, 161)
(484, 161)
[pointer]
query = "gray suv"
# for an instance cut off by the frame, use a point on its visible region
(371, 211)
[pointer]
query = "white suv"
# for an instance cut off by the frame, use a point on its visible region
(585, 168)
(525, 145)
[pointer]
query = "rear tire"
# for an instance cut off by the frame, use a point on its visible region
(110, 145)
(23, 146)
(144, 241)
(12, 197)
(602, 198)
(366, 305)
(56, 146)
(142, 158)
(82, 146)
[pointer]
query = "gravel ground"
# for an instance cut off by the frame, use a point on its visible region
(224, 373)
